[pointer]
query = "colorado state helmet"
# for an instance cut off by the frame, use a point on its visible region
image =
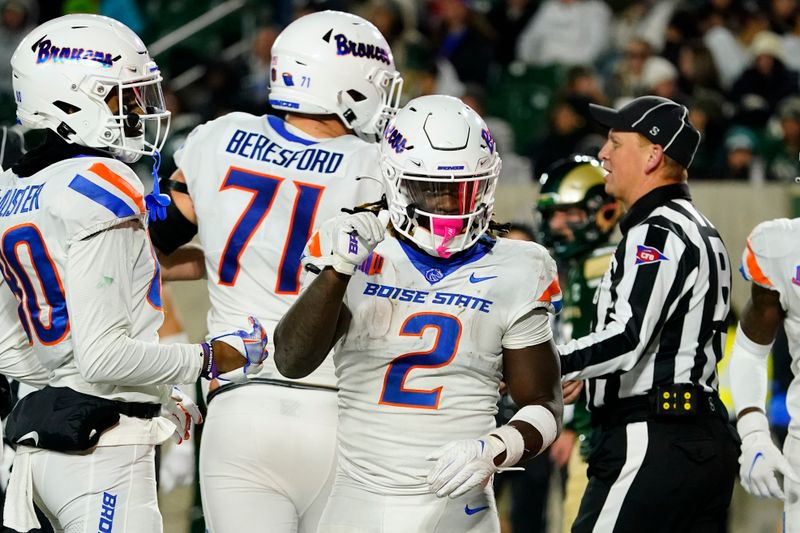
(575, 182)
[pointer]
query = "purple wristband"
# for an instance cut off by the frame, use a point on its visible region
(209, 364)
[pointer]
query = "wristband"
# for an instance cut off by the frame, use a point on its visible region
(209, 364)
(542, 420)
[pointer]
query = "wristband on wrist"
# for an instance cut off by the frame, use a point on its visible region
(209, 364)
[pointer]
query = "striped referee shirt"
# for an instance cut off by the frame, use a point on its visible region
(661, 306)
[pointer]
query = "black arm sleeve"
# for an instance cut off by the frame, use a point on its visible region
(173, 232)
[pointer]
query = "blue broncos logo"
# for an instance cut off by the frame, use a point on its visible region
(49, 52)
(395, 139)
(488, 139)
(345, 46)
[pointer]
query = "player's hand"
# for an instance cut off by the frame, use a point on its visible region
(181, 410)
(463, 465)
(571, 390)
(344, 242)
(240, 351)
(561, 449)
(761, 459)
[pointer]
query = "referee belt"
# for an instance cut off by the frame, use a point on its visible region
(679, 402)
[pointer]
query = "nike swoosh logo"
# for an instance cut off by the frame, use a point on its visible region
(475, 510)
(475, 279)
(758, 456)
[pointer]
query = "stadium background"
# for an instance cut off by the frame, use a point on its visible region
(530, 68)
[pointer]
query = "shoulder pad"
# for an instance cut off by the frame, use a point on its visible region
(101, 194)
(774, 238)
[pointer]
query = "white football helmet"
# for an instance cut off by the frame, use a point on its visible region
(336, 63)
(440, 165)
(91, 79)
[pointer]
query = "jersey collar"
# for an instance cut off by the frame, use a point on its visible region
(281, 129)
(645, 205)
(435, 269)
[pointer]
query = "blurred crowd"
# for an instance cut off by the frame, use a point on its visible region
(532, 67)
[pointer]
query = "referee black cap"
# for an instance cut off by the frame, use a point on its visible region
(660, 120)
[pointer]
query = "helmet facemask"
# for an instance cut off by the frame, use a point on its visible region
(389, 86)
(442, 214)
(139, 121)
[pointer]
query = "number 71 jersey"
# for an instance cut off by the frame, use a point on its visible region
(260, 188)
(421, 362)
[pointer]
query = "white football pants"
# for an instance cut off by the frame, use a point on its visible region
(791, 506)
(353, 509)
(267, 459)
(111, 489)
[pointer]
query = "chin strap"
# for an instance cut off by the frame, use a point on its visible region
(156, 201)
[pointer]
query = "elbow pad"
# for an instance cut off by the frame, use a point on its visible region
(748, 372)
(173, 232)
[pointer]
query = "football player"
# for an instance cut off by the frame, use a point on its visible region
(75, 253)
(771, 262)
(424, 322)
(255, 188)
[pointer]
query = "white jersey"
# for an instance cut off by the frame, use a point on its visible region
(260, 187)
(87, 308)
(772, 260)
(422, 360)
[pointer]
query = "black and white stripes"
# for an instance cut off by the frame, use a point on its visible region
(661, 307)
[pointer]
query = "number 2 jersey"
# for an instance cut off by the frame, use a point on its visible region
(260, 187)
(421, 362)
(772, 260)
(89, 296)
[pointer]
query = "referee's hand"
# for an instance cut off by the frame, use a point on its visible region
(571, 390)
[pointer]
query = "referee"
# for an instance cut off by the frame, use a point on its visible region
(664, 454)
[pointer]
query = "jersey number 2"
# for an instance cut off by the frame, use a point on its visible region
(445, 346)
(264, 187)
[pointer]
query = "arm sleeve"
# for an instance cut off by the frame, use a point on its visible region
(98, 299)
(748, 372)
(17, 359)
(643, 291)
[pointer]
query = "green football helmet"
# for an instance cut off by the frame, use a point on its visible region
(588, 214)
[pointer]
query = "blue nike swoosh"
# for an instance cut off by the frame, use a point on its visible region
(475, 510)
(475, 279)
(758, 456)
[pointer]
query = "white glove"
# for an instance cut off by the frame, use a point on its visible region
(463, 465)
(760, 458)
(181, 410)
(253, 347)
(344, 242)
(177, 468)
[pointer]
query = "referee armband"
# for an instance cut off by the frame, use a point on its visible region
(175, 230)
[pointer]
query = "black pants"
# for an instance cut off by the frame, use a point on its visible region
(672, 475)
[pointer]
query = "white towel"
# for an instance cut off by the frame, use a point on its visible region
(18, 512)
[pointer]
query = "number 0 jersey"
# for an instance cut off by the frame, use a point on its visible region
(260, 187)
(421, 362)
(772, 260)
(90, 307)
